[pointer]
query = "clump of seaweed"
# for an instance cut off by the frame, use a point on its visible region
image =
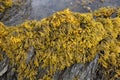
(59, 41)
(104, 12)
(4, 4)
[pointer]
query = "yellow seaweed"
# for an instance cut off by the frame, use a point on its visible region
(61, 40)
(4, 4)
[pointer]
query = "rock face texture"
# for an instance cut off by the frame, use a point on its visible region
(64, 46)
(16, 14)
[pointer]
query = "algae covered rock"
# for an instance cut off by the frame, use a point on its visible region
(65, 46)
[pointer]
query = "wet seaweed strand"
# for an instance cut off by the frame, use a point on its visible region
(4, 4)
(61, 40)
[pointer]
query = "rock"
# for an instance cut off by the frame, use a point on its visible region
(17, 14)
(3, 67)
(4, 64)
(30, 55)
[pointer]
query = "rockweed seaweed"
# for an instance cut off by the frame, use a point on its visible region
(59, 41)
(4, 4)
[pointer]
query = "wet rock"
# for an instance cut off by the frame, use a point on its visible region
(17, 14)
(4, 64)
(3, 67)
(30, 55)
(89, 72)
(79, 71)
